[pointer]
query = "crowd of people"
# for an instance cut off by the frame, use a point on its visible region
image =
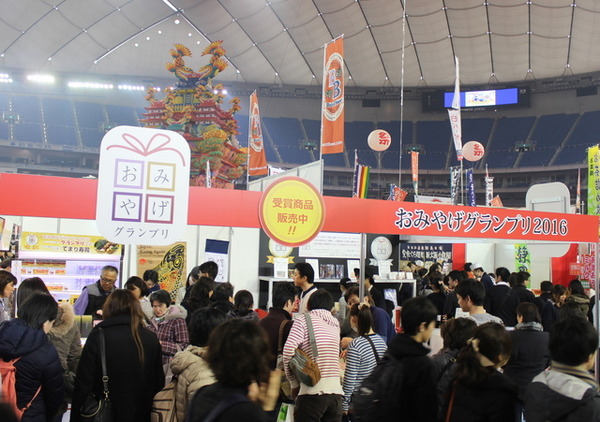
(506, 356)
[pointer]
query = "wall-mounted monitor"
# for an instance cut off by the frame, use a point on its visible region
(478, 99)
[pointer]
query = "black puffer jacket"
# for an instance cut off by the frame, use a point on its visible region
(39, 365)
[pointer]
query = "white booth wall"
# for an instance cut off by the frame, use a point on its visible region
(243, 246)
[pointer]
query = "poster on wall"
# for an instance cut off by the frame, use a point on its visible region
(332, 245)
(426, 252)
(168, 261)
(218, 251)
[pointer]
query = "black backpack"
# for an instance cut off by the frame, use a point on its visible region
(379, 394)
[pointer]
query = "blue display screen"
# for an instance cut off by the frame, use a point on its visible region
(489, 98)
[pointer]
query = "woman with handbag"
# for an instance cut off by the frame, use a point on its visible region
(39, 376)
(133, 362)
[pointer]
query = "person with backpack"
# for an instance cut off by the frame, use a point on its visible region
(32, 377)
(403, 385)
(364, 352)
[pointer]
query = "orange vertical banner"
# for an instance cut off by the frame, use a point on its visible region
(332, 112)
(257, 160)
(414, 160)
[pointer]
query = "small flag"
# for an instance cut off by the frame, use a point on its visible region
(454, 184)
(578, 196)
(470, 189)
(361, 179)
(497, 202)
(454, 115)
(257, 160)
(332, 109)
(397, 194)
(489, 188)
(208, 175)
(414, 161)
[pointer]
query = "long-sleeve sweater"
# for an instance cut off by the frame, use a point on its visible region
(360, 362)
(327, 335)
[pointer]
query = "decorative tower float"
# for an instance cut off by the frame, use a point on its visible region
(193, 109)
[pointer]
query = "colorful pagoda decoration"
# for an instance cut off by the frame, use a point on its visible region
(193, 109)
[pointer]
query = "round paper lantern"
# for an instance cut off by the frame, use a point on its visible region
(379, 140)
(473, 151)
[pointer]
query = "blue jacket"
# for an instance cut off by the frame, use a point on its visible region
(39, 365)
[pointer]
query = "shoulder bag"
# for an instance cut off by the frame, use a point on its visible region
(304, 368)
(96, 409)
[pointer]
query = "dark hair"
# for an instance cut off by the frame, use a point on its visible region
(467, 266)
(195, 274)
(364, 318)
(37, 309)
(135, 281)
(161, 296)
(6, 263)
(345, 282)
(30, 286)
(150, 275)
(529, 312)
(6, 278)
(243, 302)
(473, 289)
(522, 277)
(435, 268)
(123, 302)
(436, 281)
(572, 341)
(222, 292)
(305, 270)
(457, 275)
(492, 341)
(571, 310)
(512, 280)
(355, 291)
(202, 322)
(422, 272)
(320, 299)
(110, 268)
(557, 291)
(456, 332)
(199, 296)
(211, 268)
(369, 275)
(415, 312)
(503, 273)
(238, 353)
(282, 293)
(575, 287)
(546, 286)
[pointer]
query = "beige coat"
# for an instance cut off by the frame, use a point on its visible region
(193, 373)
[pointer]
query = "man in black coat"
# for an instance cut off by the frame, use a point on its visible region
(483, 277)
(518, 294)
(495, 297)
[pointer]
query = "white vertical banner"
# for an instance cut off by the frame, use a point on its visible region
(489, 188)
(454, 114)
(143, 186)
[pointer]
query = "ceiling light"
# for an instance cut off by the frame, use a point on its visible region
(224, 92)
(40, 78)
(159, 32)
(189, 34)
(176, 21)
(5, 78)
(89, 85)
(147, 38)
(168, 3)
(136, 45)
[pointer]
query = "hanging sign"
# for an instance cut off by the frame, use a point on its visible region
(143, 186)
(291, 211)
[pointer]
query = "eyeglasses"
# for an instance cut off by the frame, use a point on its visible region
(107, 280)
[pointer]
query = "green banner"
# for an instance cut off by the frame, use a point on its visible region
(593, 201)
(522, 259)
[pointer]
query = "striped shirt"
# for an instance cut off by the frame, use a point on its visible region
(360, 362)
(327, 335)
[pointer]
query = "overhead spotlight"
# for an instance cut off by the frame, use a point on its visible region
(147, 38)
(127, 87)
(89, 85)
(224, 92)
(40, 78)
(215, 91)
(5, 78)
(136, 45)
(176, 21)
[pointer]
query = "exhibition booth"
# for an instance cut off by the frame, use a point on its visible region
(53, 205)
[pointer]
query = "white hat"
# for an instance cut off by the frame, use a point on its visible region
(476, 265)
(419, 263)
